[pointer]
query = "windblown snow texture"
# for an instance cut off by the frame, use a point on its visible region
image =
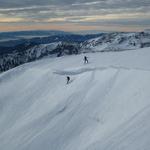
(105, 107)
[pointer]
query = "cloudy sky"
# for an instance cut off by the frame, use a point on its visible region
(75, 15)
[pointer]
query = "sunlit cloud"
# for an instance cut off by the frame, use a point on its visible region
(11, 20)
(86, 3)
(55, 20)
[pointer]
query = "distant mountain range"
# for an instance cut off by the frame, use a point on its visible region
(30, 34)
(11, 39)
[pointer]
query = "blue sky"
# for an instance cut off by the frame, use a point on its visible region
(75, 15)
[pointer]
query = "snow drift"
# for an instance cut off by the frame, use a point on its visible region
(106, 106)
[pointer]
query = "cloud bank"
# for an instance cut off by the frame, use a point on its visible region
(98, 15)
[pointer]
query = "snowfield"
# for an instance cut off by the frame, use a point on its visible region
(106, 106)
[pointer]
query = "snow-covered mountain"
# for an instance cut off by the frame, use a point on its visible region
(21, 56)
(67, 44)
(118, 42)
(17, 48)
(106, 106)
(18, 57)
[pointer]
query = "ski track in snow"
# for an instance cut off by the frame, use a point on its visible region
(84, 70)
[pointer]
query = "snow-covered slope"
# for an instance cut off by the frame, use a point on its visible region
(106, 106)
(118, 41)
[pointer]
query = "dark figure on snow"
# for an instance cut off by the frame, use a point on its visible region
(68, 79)
(85, 60)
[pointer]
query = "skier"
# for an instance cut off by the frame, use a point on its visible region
(68, 79)
(85, 60)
